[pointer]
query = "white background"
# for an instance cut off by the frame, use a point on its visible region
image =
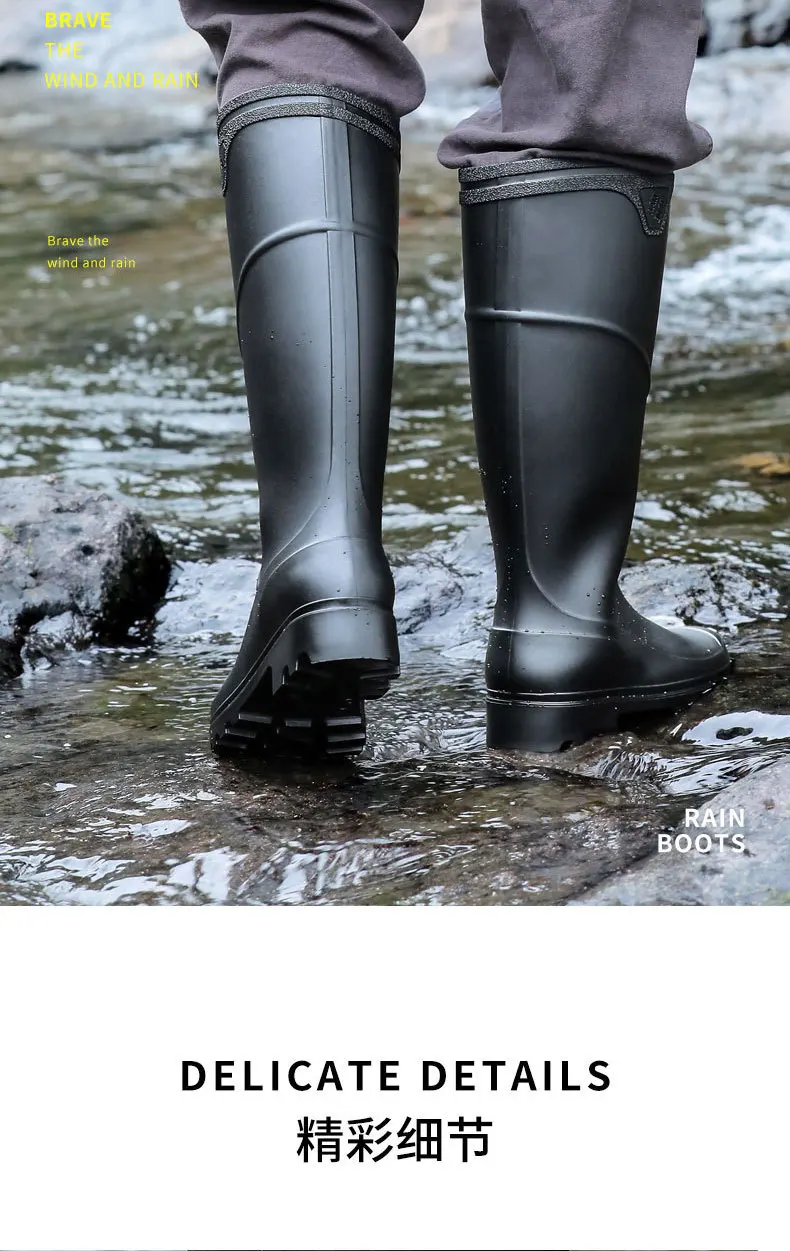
(100, 1149)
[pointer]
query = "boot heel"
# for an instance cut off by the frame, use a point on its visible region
(307, 695)
(518, 726)
(351, 634)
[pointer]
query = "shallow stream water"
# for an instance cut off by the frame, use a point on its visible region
(130, 382)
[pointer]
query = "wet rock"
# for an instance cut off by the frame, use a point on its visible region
(760, 874)
(722, 596)
(16, 67)
(453, 584)
(443, 607)
(429, 585)
(53, 634)
(208, 606)
(154, 820)
(744, 23)
(445, 594)
(75, 567)
(508, 861)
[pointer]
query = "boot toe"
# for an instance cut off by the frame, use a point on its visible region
(696, 643)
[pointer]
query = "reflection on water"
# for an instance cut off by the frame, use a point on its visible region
(131, 383)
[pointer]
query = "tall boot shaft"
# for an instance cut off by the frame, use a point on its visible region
(311, 176)
(563, 268)
(312, 212)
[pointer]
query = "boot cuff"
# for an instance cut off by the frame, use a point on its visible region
(303, 100)
(650, 194)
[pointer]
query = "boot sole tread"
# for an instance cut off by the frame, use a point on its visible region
(319, 710)
(306, 696)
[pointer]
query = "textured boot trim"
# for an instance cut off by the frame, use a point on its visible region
(535, 165)
(290, 100)
(650, 194)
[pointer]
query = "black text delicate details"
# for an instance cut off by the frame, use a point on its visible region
(323, 1136)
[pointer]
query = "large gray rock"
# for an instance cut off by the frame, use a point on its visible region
(745, 23)
(759, 874)
(450, 587)
(75, 567)
(445, 594)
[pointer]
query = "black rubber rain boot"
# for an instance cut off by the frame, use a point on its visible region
(563, 269)
(311, 178)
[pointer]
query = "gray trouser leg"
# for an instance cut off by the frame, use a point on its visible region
(594, 79)
(590, 78)
(356, 45)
